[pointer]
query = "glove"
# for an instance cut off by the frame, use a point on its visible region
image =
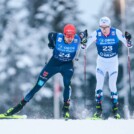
(83, 36)
(52, 37)
(51, 45)
(127, 36)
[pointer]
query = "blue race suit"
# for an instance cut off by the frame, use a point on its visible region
(60, 62)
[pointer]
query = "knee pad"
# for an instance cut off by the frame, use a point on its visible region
(114, 97)
(99, 95)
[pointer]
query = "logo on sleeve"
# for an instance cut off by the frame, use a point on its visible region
(75, 40)
(113, 33)
(59, 39)
(99, 33)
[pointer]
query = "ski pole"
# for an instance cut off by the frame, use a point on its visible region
(85, 62)
(129, 73)
(78, 53)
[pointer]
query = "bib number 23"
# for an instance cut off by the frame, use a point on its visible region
(107, 48)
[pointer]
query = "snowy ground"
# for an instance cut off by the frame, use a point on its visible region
(43, 126)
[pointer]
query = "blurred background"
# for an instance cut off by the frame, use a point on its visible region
(24, 26)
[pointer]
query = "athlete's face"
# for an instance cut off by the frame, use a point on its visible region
(69, 38)
(105, 29)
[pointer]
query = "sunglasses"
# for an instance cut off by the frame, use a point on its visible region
(69, 35)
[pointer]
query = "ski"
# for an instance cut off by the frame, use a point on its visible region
(93, 118)
(3, 116)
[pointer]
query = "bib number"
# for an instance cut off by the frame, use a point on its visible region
(107, 48)
(64, 55)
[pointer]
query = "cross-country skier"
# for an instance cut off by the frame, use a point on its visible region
(107, 39)
(65, 46)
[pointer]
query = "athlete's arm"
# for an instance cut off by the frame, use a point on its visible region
(121, 37)
(52, 39)
(92, 38)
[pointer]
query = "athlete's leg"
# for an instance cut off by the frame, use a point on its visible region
(67, 73)
(100, 76)
(48, 71)
(45, 74)
(113, 87)
(113, 74)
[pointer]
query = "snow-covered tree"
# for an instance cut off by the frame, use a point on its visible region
(24, 49)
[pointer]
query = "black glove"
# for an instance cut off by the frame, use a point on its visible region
(83, 36)
(127, 36)
(51, 45)
(52, 38)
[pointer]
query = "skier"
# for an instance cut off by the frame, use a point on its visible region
(65, 46)
(107, 39)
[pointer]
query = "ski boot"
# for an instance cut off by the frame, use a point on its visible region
(98, 113)
(114, 97)
(115, 112)
(16, 109)
(99, 95)
(65, 110)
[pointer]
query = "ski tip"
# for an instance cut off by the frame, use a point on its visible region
(24, 116)
(3, 116)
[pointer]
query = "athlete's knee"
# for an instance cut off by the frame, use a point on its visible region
(99, 71)
(113, 73)
(41, 81)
